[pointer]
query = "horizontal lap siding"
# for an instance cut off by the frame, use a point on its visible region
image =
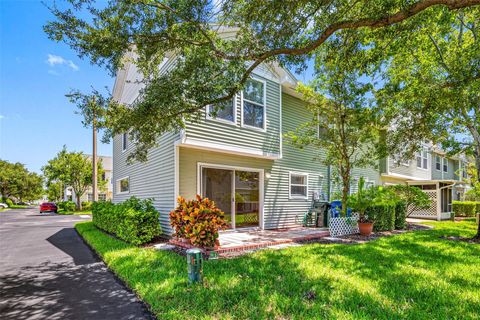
(411, 170)
(440, 174)
(237, 136)
(154, 178)
(280, 211)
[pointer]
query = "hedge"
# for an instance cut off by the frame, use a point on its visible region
(87, 205)
(466, 208)
(383, 215)
(400, 215)
(67, 205)
(134, 221)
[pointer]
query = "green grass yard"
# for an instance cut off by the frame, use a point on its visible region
(64, 212)
(415, 275)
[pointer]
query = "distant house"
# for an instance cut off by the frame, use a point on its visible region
(440, 176)
(107, 176)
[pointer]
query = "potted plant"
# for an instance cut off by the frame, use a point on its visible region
(359, 202)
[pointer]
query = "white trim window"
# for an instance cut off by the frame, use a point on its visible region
(123, 185)
(422, 159)
(254, 109)
(124, 141)
(445, 165)
(225, 111)
(438, 163)
(298, 185)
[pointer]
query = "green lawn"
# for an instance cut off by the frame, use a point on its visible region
(415, 275)
(64, 212)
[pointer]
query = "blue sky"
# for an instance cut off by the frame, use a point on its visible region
(36, 119)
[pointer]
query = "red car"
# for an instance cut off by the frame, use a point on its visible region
(48, 206)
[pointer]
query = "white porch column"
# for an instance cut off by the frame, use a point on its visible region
(439, 202)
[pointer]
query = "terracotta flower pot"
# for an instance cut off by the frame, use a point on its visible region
(365, 228)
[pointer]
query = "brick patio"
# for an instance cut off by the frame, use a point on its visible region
(251, 239)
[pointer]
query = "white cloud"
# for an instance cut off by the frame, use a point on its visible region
(54, 60)
(2, 116)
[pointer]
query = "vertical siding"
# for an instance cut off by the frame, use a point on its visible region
(237, 136)
(154, 178)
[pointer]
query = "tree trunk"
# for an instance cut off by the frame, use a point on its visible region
(477, 165)
(79, 204)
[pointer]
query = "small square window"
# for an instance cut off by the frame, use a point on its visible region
(225, 111)
(298, 185)
(123, 185)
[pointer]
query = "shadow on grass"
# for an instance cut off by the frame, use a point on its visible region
(414, 275)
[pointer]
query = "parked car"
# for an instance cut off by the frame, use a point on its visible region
(22, 203)
(3, 205)
(48, 207)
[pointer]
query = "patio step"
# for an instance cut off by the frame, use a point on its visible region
(258, 245)
(253, 246)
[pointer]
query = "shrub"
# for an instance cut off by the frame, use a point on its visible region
(198, 221)
(383, 215)
(86, 205)
(465, 208)
(135, 221)
(67, 205)
(400, 215)
(9, 202)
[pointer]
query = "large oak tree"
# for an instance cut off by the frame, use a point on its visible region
(212, 65)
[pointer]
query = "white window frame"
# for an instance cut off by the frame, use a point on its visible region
(444, 163)
(420, 153)
(117, 185)
(439, 162)
(242, 99)
(124, 138)
(234, 122)
(294, 196)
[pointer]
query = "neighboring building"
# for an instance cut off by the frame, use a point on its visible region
(103, 195)
(441, 177)
(239, 159)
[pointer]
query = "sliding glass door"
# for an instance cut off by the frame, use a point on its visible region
(236, 192)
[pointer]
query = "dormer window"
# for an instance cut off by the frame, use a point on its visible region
(253, 104)
(226, 111)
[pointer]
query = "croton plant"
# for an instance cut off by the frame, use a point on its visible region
(198, 221)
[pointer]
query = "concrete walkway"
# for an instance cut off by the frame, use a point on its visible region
(47, 272)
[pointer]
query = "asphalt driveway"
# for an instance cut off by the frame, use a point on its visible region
(47, 272)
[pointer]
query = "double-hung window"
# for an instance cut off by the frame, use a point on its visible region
(422, 158)
(438, 163)
(254, 107)
(298, 185)
(224, 111)
(445, 165)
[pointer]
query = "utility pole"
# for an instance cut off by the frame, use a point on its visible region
(94, 153)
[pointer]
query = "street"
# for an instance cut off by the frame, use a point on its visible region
(47, 272)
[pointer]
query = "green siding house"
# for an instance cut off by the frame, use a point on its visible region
(238, 157)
